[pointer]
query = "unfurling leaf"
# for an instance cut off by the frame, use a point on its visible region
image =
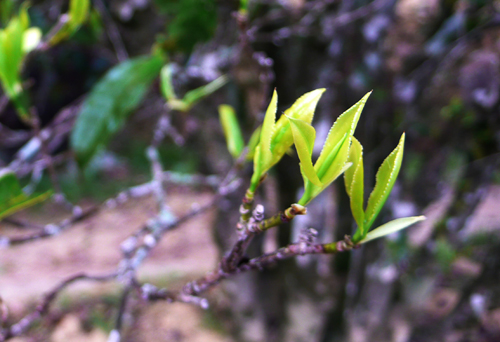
(354, 178)
(110, 103)
(385, 179)
(329, 165)
(276, 138)
(12, 198)
(392, 227)
(262, 157)
(332, 161)
(302, 109)
(303, 138)
(231, 129)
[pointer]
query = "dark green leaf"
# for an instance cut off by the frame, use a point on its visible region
(110, 103)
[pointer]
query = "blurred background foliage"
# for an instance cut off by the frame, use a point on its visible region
(434, 67)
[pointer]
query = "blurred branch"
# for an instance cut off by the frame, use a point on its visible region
(43, 308)
(112, 31)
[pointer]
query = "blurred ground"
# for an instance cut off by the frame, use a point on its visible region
(28, 271)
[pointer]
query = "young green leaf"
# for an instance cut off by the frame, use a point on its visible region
(303, 138)
(268, 128)
(12, 198)
(231, 129)
(195, 95)
(110, 103)
(262, 157)
(329, 164)
(332, 161)
(385, 179)
(167, 88)
(392, 227)
(354, 178)
(302, 109)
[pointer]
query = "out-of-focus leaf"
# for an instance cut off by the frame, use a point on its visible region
(231, 129)
(354, 178)
(77, 15)
(167, 87)
(31, 39)
(6, 10)
(195, 95)
(11, 57)
(12, 198)
(191, 21)
(109, 104)
(252, 144)
(385, 179)
(303, 138)
(78, 12)
(391, 227)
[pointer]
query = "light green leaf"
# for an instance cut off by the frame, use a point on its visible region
(303, 138)
(268, 128)
(354, 178)
(311, 190)
(12, 198)
(167, 87)
(231, 129)
(303, 109)
(195, 95)
(385, 179)
(329, 164)
(392, 227)
(110, 103)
